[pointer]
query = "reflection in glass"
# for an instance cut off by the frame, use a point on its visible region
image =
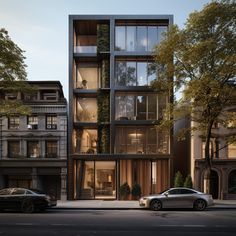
(141, 38)
(120, 38)
(151, 72)
(131, 74)
(86, 109)
(125, 106)
(161, 31)
(142, 73)
(152, 107)
(152, 37)
(141, 107)
(131, 35)
(121, 73)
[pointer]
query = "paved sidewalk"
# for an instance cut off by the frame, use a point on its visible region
(114, 204)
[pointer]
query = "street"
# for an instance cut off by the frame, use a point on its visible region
(119, 222)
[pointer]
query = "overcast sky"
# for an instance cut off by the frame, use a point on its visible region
(40, 27)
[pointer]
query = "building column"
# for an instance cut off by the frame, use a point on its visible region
(63, 184)
(223, 184)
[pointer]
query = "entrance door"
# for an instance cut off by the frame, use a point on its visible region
(214, 184)
(105, 179)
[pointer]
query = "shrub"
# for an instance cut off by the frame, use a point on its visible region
(124, 190)
(178, 180)
(188, 182)
(136, 190)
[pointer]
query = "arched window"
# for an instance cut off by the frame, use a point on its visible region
(232, 182)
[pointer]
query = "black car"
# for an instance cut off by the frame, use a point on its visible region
(26, 200)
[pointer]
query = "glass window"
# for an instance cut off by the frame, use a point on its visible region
(135, 140)
(131, 36)
(18, 192)
(152, 141)
(125, 107)
(33, 122)
(5, 191)
(121, 73)
(232, 150)
(14, 122)
(142, 38)
(131, 74)
(187, 191)
(163, 143)
(32, 149)
(152, 107)
(51, 149)
(151, 72)
(152, 37)
(162, 106)
(86, 109)
(161, 31)
(120, 38)
(13, 149)
(141, 107)
(141, 73)
(51, 122)
(174, 191)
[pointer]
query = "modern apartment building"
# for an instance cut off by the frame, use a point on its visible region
(112, 107)
(33, 150)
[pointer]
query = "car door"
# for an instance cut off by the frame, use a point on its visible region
(5, 198)
(17, 196)
(187, 198)
(172, 198)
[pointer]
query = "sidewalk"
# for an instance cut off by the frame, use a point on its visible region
(125, 205)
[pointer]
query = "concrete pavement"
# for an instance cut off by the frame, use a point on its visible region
(114, 204)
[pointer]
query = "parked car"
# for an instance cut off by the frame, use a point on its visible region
(26, 200)
(177, 198)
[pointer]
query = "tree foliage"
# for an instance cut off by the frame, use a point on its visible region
(12, 76)
(200, 59)
(188, 182)
(178, 182)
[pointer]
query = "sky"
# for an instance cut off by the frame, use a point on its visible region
(40, 27)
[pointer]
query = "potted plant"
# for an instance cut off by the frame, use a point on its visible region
(124, 191)
(136, 191)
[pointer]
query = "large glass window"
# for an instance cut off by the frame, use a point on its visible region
(87, 76)
(152, 37)
(131, 38)
(131, 74)
(86, 141)
(142, 73)
(14, 122)
(138, 38)
(13, 149)
(140, 107)
(51, 149)
(121, 73)
(86, 109)
(142, 140)
(141, 38)
(32, 149)
(120, 38)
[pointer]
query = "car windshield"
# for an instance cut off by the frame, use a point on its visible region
(163, 191)
(37, 191)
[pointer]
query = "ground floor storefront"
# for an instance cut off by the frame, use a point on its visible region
(222, 178)
(93, 179)
(49, 180)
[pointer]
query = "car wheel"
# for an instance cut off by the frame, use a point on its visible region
(27, 206)
(155, 205)
(199, 205)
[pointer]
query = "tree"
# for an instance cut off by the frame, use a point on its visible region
(188, 182)
(200, 59)
(12, 76)
(178, 180)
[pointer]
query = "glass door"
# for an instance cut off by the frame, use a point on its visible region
(105, 179)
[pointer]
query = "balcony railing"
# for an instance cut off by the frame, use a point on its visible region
(85, 49)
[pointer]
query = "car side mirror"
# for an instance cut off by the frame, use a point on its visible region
(166, 194)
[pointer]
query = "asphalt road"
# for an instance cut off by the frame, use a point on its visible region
(119, 222)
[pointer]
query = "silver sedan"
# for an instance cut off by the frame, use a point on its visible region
(177, 198)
